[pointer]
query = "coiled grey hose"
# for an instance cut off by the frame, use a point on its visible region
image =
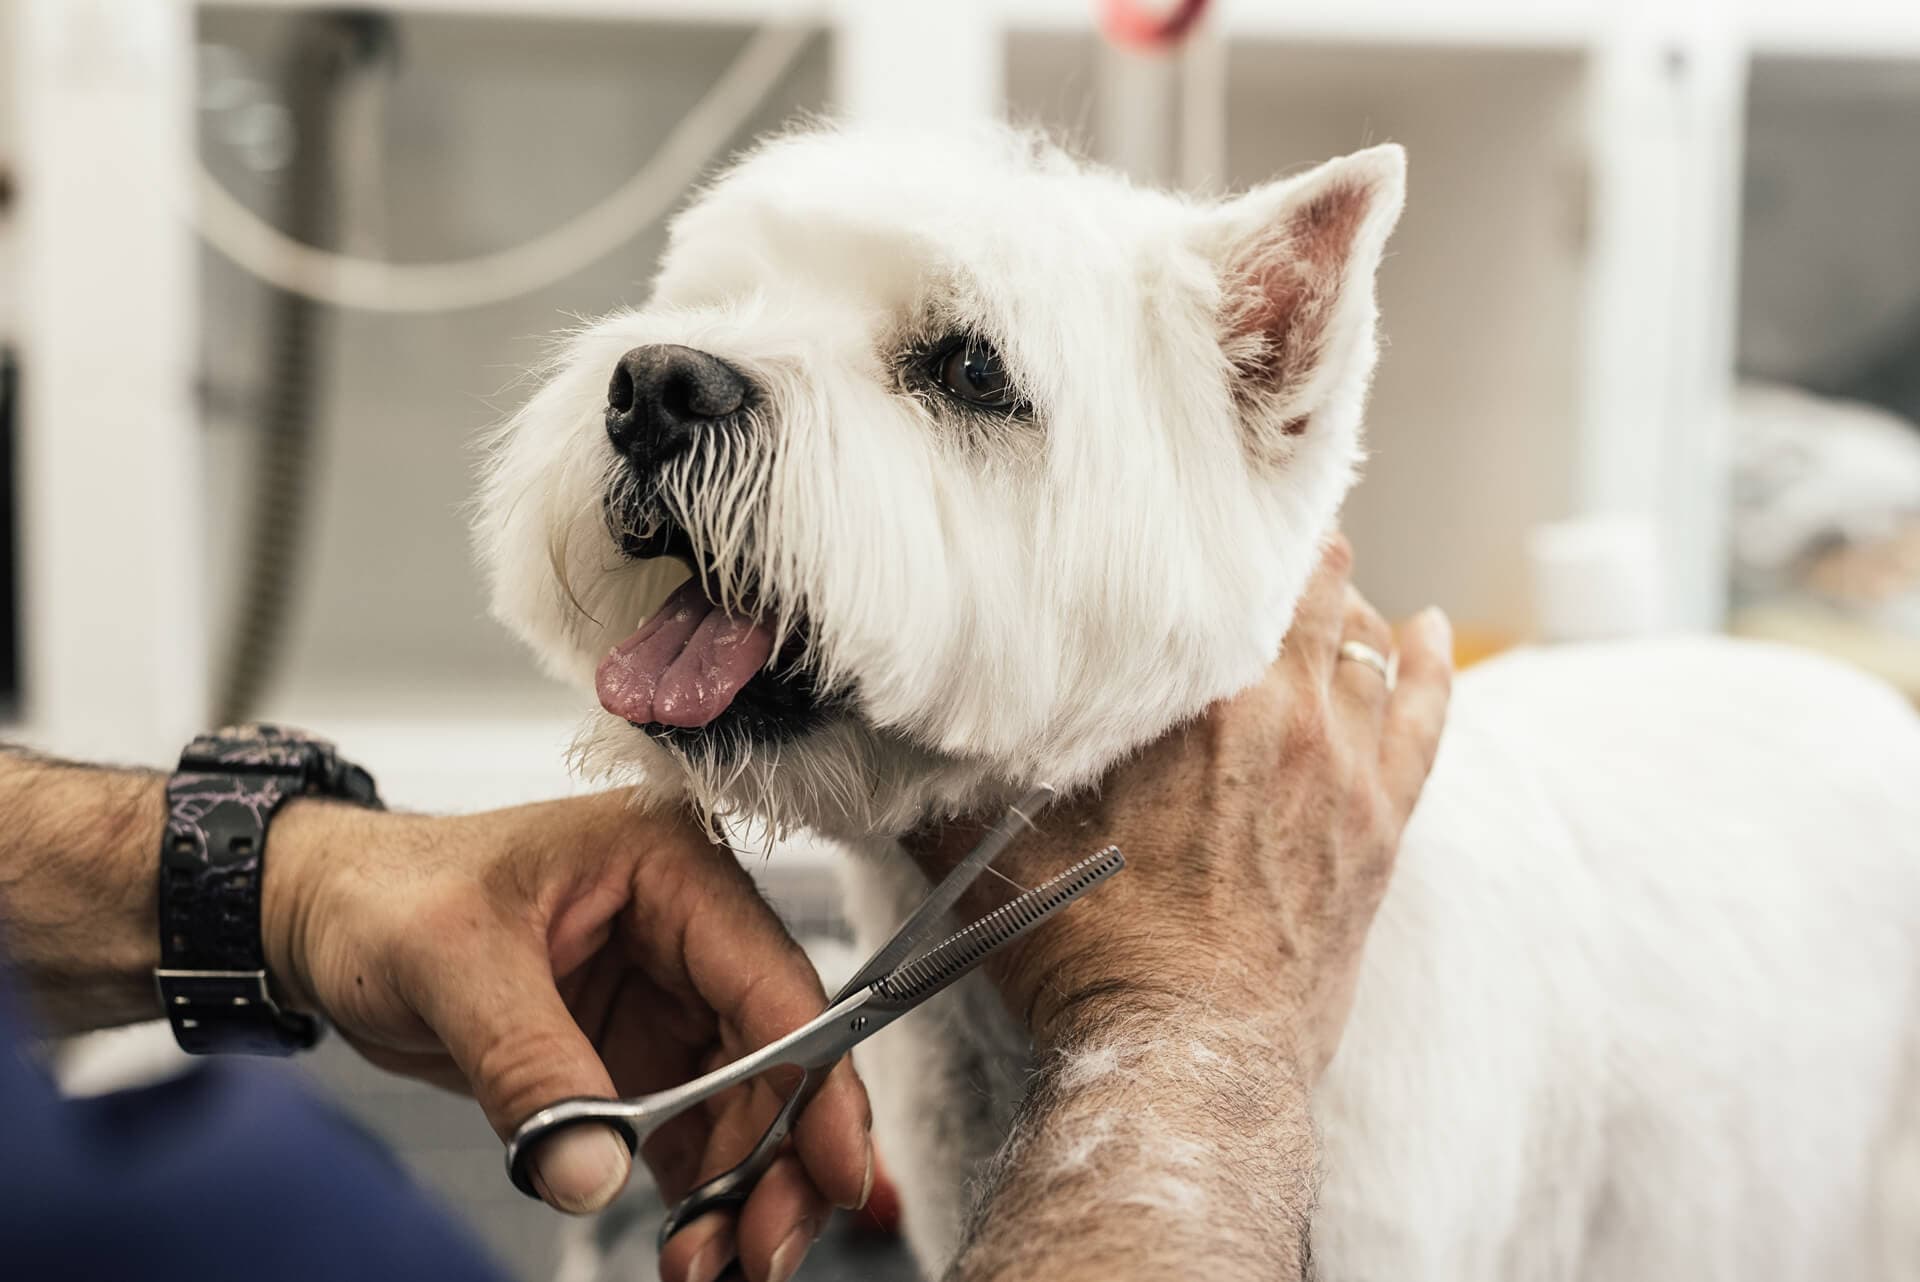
(292, 257)
(325, 49)
(695, 141)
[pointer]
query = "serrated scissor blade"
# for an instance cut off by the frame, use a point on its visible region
(921, 977)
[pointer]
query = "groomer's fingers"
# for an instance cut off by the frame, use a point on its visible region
(819, 1137)
(780, 1222)
(721, 1133)
(747, 969)
(1417, 708)
(1361, 689)
(699, 1252)
(489, 996)
(1314, 636)
(769, 1236)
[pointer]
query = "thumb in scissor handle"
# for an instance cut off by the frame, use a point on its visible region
(550, 1121)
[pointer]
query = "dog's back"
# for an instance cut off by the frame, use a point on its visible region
(1644, 1000)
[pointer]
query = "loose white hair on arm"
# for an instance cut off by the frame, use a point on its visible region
(1195, 1122)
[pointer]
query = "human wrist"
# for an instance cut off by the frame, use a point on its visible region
(1073, 981)
(309, 841)
(1071, 974)
(1062, 1016)
(78, 889)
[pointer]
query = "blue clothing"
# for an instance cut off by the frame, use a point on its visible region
(230, 1172)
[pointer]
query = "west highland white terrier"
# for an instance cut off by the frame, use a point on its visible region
(990, 467)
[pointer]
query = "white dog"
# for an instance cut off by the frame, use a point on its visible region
(991, 468)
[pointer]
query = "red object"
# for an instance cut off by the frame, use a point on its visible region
(881, 1214)
(1128, 22)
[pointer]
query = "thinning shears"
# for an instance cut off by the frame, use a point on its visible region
(907, 970)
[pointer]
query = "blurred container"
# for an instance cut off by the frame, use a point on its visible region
(1595, 578)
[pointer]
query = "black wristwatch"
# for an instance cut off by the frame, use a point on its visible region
(213, 969)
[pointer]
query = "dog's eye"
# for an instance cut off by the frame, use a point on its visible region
(973, 372)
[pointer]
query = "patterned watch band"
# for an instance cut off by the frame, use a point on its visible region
(213, 973)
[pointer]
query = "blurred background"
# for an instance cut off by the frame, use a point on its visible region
(1653, 322)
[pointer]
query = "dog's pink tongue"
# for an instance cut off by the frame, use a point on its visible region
(685, 664)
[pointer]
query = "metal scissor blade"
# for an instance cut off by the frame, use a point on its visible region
(731, 1187)
(886, 999)
(923, 976)
(915, 931)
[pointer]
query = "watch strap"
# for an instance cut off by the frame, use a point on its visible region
(221, 801)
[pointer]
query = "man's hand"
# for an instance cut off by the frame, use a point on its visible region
(1184, 1010)
(1259, 837)
(526, 955)
(571, 948)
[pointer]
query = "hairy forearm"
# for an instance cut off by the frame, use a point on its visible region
(77, 888)
(1152, 1145)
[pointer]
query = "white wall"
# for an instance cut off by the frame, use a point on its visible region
(1475, 417)
(109, 449)
(9, 166)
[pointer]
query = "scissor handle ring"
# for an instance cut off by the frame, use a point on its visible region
(556, 1117)
(697, 1204)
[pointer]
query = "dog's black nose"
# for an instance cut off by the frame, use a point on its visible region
(663, 394)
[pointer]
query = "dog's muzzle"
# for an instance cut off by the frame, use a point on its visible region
(663, 397)
(707, 677)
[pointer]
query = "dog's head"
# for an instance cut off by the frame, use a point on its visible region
(987, 467)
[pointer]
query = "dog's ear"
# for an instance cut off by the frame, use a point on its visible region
(1297, 259)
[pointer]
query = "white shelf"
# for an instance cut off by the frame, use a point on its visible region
(458, 764)
(1837, 28)
(701, 11)
(1867, 29)
(1480, 23)
(1497, 23)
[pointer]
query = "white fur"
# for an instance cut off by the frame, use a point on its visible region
(1643, 999)
(989, 592)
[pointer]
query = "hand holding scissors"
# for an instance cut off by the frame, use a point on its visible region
(910, 968)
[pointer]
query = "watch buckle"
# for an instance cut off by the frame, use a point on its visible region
(189, 994)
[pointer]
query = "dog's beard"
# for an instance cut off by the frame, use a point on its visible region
(719, 494)
(845, 779)
(782, 741)
(836, 770)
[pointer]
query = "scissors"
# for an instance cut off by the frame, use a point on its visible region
(907, 970)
